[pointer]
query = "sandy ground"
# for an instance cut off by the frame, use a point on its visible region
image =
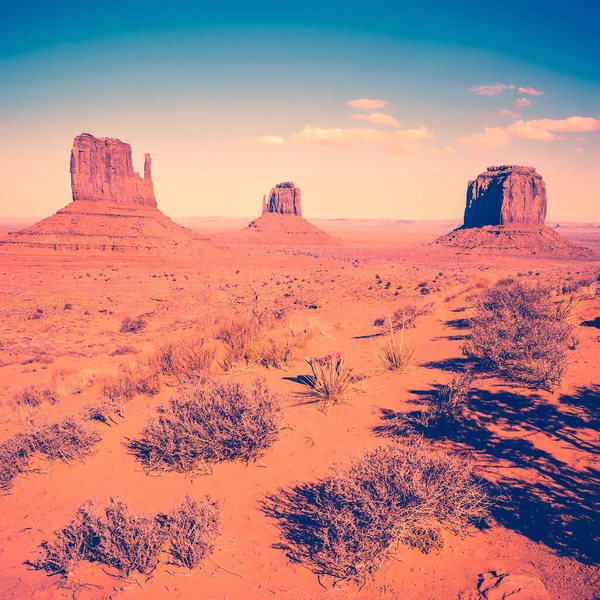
(539, 448)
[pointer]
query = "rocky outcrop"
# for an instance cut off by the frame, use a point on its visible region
(506, 195)
(511, 587)
(284, 199)
(102, 171)
(113, 211)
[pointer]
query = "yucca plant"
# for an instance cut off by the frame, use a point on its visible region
(330, 378)
(396, 357)
(567, 309)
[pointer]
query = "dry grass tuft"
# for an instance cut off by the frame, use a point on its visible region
(330, 379)
(347, 524)
(396, 357)
(34, 395)
(210, 423)
(186, 360)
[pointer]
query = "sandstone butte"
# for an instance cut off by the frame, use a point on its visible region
(506, 211)
(113, 210)
(281, 221)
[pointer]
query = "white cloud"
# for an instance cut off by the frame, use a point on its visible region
(367, 103)
(403, 140)
(571, 124)
(529, 131)
(530, 91)
(523, 102)
(509, 113)
(265, 140)
(491, 137)
(491, 90)
(377, 119)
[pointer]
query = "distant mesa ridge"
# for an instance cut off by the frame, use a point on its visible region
(102, 171)
(506, 211)
(284, 199)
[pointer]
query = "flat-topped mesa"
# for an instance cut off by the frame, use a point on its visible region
(102, 171)
(284, 199)
(506, 195)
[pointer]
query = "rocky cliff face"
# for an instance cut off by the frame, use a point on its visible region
(506, 195)
(102, 170)
(284, 199)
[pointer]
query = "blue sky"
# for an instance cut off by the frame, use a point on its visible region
(231, 100)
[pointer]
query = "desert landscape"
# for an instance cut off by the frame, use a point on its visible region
(202, 403)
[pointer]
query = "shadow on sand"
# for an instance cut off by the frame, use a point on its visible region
(540, 496)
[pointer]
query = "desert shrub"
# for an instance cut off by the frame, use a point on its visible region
(210, 423)
(66, 439)
(329, 380)
(105, 411)
(348, 523)
(117, 537)
(443, 412)
(123, 387)
(242, 338)
(405, 316)
(129, 325)
(34, 395)
(281, 348)
(122, 350)
(113, 535)
(193, 528)
(396, 357)
(186, 360)
(520, 332)
(15, 456)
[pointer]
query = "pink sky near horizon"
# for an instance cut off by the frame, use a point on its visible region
(220, 139)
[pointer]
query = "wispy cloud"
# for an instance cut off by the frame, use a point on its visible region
(491, 137)
(530, 91)
(377, 119)
(264, 140)
(509, 113)
(367, 103)
(491, 90)
(523, 102)
(578, 149)
(537, 129)
(403, 140)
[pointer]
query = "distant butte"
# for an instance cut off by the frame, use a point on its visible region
(506, 211)
(113, 210)
(281, 221)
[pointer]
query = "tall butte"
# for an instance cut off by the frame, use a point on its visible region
(506, 211)
(113, 210)
(282, 222)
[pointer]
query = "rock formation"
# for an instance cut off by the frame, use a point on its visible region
(506, 211)
(506, 195)
(284, 199)
(281, 221)
(511, 587)
(102, 171)
(113, 210)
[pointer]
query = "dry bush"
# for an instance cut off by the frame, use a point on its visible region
(105, 411)
(347, 524)
(129, 325)
(193, 528)
(186, 360)
(520, 332)
(405, 316)
(330, 379)
(66, 439)
(444, 411)
(34, 395)
(139, 378)
(396, 357)
(281, 348)
(210, 423)
(122, 350)
(115, 536)
(15, 456)
(243, 339)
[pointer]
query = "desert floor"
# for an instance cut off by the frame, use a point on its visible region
(539, 448)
